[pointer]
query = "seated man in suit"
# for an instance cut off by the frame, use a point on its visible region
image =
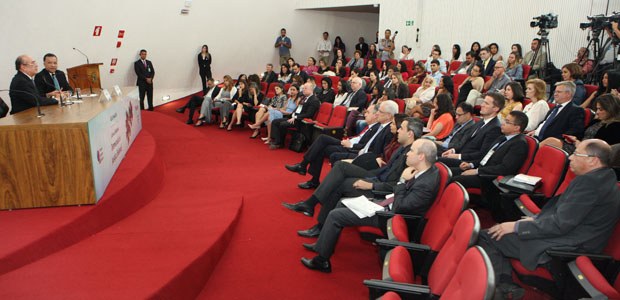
(197, 101)
(581, 220)
(325, 145)
(480, 141)
(349, 180)
(488, 64)
(307, 108)
(23, 90)
(296, 71)
(462, 130)
(269, 75)
(51, 82)
(413, 195)
(564, 118)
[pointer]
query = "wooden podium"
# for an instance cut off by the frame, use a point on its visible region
(85, 76)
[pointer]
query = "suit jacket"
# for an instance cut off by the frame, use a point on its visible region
(366, 137)
(384, 137)
(309, 108)
(488, 71)
(462, 136)
(581, 219)
(142, 72)
(45, 83)
(388, 176)
(415, 198)
(216, 91)
(359, 100)
(477, 146)
(507, 159)
(362, 47)
(568, 121)
(270, 77)
(204, 65)
(302, 74)
(24, 93)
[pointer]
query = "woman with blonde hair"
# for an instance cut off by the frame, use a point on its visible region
(535, 90)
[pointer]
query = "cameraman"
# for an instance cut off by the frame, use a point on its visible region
(535, 61)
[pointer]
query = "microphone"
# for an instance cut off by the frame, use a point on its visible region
(36, 100)
(78, 50)
(62, 100)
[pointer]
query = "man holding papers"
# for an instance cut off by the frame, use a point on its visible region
(413, 195)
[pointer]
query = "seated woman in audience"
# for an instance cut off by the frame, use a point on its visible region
(376, 96)
(311, 68)
(290, 61)
(514, 99)
(338, 55)
(241, 77)
(339, 69)
(472, 82)
(223, 100)
(323, 69)
(456, 53)
(584, 61)
(446, 86)
(372, 52)
(536, 111)
(342, 92)
(291, 104)
(419, 74)
(285, 74)
(441, 119)
(385, 69)
(517, 48)
(495, 52)
(401, 67)
(262, 115)
(514, 69)
(374, 81)
(399, 87)
(606, 126)
(419, 105)
(609, 83)
(242, 101)
(369, 68)
(327, 93)
(475, 47)
(405, 53)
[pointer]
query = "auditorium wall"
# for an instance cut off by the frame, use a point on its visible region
(240, 35)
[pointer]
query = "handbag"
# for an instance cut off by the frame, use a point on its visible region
(298, 142)
(4, 109)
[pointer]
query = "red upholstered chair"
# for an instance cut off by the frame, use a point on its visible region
(458, 79)
(529, 208)
(390, 296)
(317, 79)
(474, 277)
(263, 87)
(413, 87)
(402, 264)
(271, 90)
(401, 105)
(590, 88)
(405, 76)
(286, 86)
(587, 117)
(323, 115)
(335, 125)
(455, 65)
(335, 80)
(592, 281)
(526, 71)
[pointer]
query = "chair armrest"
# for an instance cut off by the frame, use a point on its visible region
(389, 244)
(377, 288)
(569, 255)
(527, 206)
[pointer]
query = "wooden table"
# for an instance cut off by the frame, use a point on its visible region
(56, 160)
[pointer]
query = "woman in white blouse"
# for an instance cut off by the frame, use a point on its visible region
(538, 108)
(342, 92)
(424, 94)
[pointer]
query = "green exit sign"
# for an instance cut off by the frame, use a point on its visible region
(409, 23)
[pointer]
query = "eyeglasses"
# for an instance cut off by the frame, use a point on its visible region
(582, 155)
(509, 122)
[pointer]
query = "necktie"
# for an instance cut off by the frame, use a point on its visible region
(549, 119)
(479, 125)
(56, 84)
(499, 143)
(456, 129)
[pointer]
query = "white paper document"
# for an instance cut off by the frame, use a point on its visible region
(531, 180)
(361, 206)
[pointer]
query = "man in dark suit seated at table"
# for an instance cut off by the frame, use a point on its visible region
(307, 108)
(581, 220)
(462, 130)
(51, 82)
(564, 118)
(414, 195)
(23, 90)
(484, 134)
(349, 180)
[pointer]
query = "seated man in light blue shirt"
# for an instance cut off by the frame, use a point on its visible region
(435, 71)
(436, 55)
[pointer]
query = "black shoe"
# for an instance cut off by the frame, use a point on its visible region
(317, 264)
(296, 168)
(308, 185)
(301, 207)
(509, 291)
(189, 122)
(310, 246)
(314, 231)
(181, 110)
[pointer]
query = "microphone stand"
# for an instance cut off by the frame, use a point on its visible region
(90, 79)
(36, 100)
(78, 50)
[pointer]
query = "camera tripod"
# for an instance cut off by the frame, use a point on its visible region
(611, 44)
(544, 44)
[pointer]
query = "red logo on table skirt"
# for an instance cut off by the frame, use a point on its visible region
(97, 31)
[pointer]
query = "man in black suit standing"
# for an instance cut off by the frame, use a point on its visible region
(23, 90)
(414, 195)
(580, 220)
(564, 118)
(145, 72)
(307, 108)
(480, 141)
(349, 180)
(51, 82)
